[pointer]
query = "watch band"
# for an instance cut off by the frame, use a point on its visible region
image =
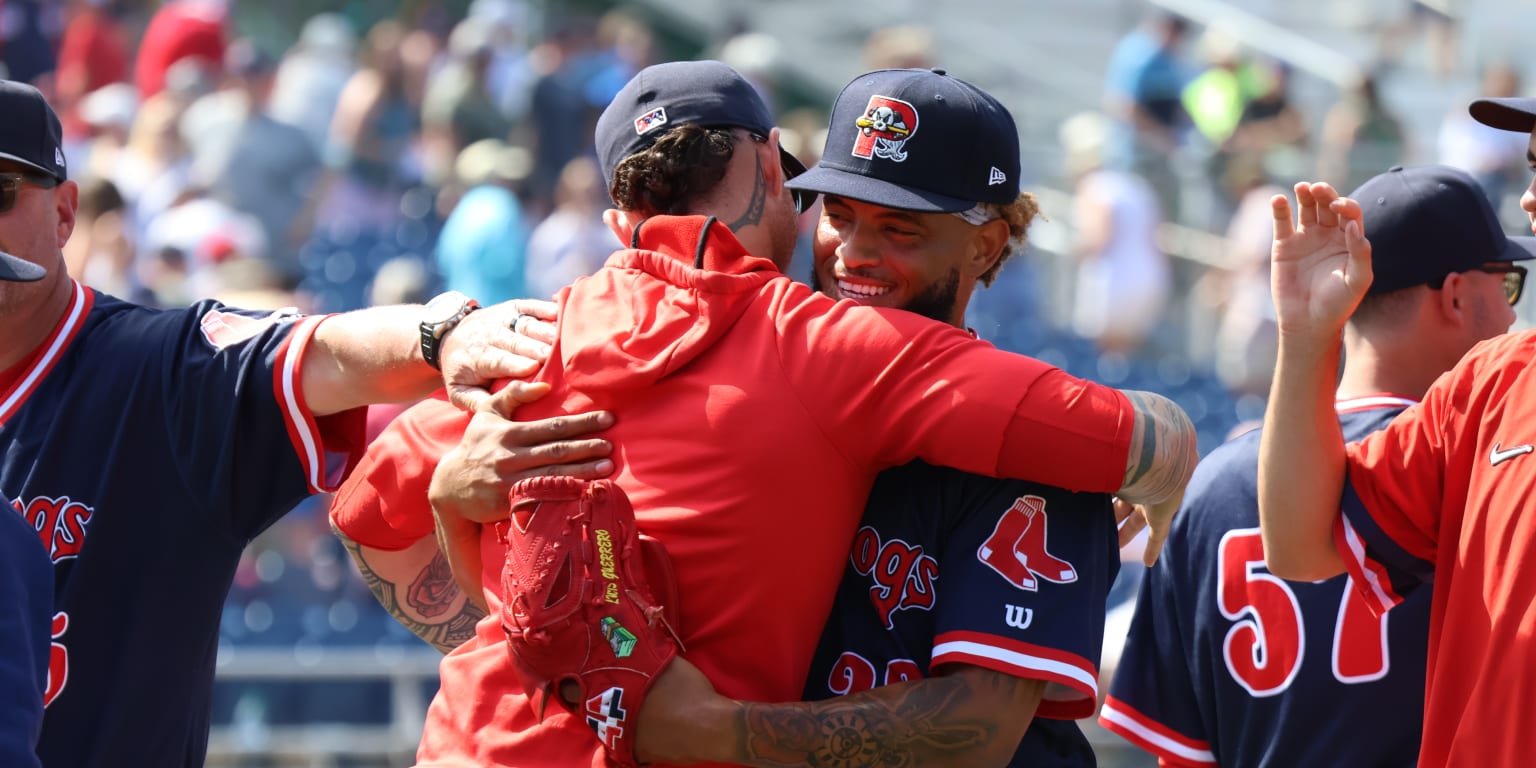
(432, 332)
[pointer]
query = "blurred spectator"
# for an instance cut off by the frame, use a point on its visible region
(180, 29)
(905, 46)
(1143, 92)
(511, 73)
(1123, 280)
(1246, 334)
(156, 167)
(1492, 156)
(371, 138)
(251, 162)
(1270, 123)
(459, 108)
(481, 249)
(1360, 137)
(206, 233)
(100, 252)
(107, 115)
(312, 74)
(572, 241)
(93, 53)
(625, 46)
(1215, 98)
(401, 280)
(561, 118)
(757, 57)
(29, 35)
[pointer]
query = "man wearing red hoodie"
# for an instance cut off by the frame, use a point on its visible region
(752, 413)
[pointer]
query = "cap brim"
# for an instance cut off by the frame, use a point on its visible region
(1510, 114)
(794, 169)
(28, 163)
(16, 270)
(832, 181)
(1519, 249)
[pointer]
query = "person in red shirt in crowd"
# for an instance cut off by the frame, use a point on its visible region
(181, 29)
(93, 53)
(1439, 499)
(719, 367)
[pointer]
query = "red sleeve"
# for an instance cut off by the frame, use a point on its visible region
(899, 386)
(383, 504)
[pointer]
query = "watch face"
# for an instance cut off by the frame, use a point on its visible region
(443, 307)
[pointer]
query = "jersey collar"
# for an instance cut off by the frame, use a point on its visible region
(1372, 402)
(18, 383)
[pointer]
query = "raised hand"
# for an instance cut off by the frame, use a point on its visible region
(1320, 263)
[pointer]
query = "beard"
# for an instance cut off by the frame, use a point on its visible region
(936, 302)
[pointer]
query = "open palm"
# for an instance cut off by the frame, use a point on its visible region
(1320, 262)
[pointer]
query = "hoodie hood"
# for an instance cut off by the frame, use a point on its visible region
(649, 311)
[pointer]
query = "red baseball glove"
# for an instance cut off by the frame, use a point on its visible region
(582, 604)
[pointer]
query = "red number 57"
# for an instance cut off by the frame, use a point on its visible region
(1264, 648)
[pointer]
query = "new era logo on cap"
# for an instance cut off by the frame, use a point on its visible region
(996, 177)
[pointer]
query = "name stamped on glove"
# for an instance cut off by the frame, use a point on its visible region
(605, 561)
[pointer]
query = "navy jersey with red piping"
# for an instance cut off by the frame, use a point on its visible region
(146, 448)
(26, 583)
(1228, 665)
(949, 567)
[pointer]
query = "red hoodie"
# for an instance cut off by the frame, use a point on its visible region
(752, 417)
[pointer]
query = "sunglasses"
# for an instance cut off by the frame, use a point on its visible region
(10, 186)
(1514, 280)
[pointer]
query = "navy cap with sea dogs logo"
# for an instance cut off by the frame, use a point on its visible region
(918, 140)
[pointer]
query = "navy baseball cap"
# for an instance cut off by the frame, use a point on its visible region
(1426, 222)
(1509, 114)
(30, 133)
(919, 140)
(18, 270)
(705, 93)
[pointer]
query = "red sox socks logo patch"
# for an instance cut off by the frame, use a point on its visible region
(605, 714)
(1016, 548)
(902, 573)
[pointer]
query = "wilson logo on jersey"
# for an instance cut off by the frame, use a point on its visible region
(605, 713)
(224, 329)
(60, 523)
(903, 575)
(1016, 548)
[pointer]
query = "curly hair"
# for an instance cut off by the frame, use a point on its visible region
(672, 175)
(1019, 214)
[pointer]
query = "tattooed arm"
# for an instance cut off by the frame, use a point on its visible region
(1158, 466)
(415, 586)
(969, 717)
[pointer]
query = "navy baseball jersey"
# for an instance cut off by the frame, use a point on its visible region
(146, 448)
(953, 568)
(1228, 665)
(26, 584)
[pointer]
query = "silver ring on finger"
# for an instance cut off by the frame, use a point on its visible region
(516, 321)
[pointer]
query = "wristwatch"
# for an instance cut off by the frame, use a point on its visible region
(440, 315)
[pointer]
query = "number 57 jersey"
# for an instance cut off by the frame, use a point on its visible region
(1228, 665)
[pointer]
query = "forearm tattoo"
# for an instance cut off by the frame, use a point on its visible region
(431, 594)
(1163, 449)
(907, 725)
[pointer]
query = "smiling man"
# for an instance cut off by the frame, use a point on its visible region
(968, 623)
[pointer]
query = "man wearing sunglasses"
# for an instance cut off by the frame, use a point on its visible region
(145, 448)
(1440, 499)
(1225, 665)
